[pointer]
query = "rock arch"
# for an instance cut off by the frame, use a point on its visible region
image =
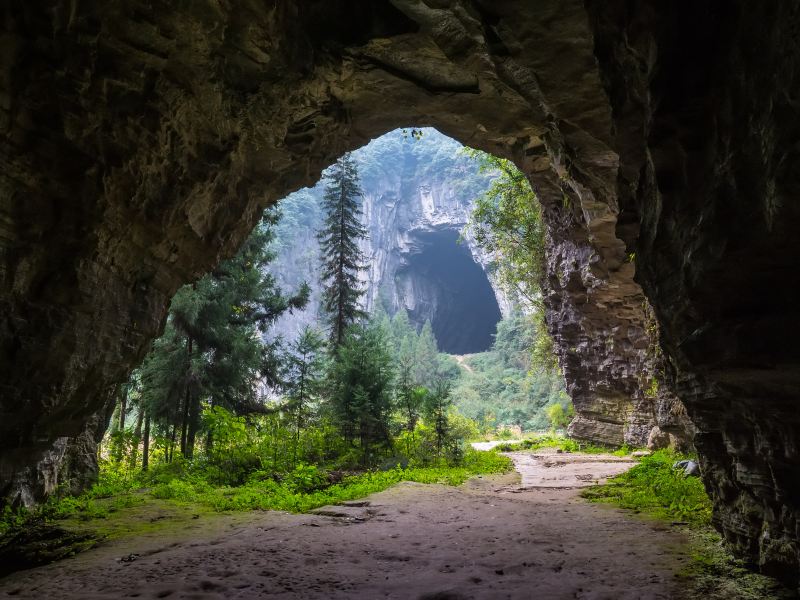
(140, 142)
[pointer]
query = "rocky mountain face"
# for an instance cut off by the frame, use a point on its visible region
(417, 200)
(141, 142)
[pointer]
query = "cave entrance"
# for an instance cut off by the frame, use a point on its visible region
(143, 155)
(419, 189)
(454, 289)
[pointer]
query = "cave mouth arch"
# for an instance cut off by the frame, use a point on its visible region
(465, 311)
(152, 152)
(419, 189)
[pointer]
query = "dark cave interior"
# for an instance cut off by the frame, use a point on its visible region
(455, 290)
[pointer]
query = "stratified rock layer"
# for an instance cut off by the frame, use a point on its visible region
(140, 143)
(707, 128)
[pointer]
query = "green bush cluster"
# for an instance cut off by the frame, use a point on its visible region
(504, 387)
(554, 440)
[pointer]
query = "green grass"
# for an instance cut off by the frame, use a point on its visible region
(115, 494)
(271, 495)
(655, 488)
(550, 440)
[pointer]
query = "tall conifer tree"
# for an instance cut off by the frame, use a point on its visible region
(342, 260)
(426, 357)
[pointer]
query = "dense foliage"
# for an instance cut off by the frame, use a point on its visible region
(506, 222)
(654, 486)
(502, 387)
(213, 352)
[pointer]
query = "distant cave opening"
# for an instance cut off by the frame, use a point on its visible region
(449, 285)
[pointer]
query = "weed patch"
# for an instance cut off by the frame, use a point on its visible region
(655, 488)
(551, 440)
(268, 494)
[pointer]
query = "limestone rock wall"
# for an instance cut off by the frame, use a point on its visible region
(411, 188)
(707, 128)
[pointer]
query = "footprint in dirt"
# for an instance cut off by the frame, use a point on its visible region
(443, 595)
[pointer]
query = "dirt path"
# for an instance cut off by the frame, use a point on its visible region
(461, 359)
(491, 538)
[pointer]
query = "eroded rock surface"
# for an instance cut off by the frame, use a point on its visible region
(707, 128)
(140, 143)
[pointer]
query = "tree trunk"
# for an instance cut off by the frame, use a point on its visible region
(187, 396)
(171, 451)
(146, 445)
(300, 404)
(275, 444)
(194, 423)
(137, 437)
(210, 435)
(119, 440)
(123, 406)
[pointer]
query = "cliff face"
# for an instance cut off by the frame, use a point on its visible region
(707, 131)
(418, 195)
(140, 144)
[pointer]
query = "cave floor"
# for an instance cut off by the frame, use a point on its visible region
(490, 538)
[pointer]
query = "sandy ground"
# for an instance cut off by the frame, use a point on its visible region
(491, 538)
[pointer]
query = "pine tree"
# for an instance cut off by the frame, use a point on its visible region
(403, 334)
(212, 348)
(409, 397)
(302, 378)
(361, 379)
(426, 357)
(342, 260)
(437, 406)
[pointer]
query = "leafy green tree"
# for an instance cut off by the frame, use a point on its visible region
(404, 337)
(426, 357)
(342, 260)
(410, 398)
(559, 416)
(507, 223)
(502, 387)
(361, 389)
(437, 406)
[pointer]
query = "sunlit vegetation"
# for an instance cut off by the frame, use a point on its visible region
(558, 441)
(507, 223)
(503, 387)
